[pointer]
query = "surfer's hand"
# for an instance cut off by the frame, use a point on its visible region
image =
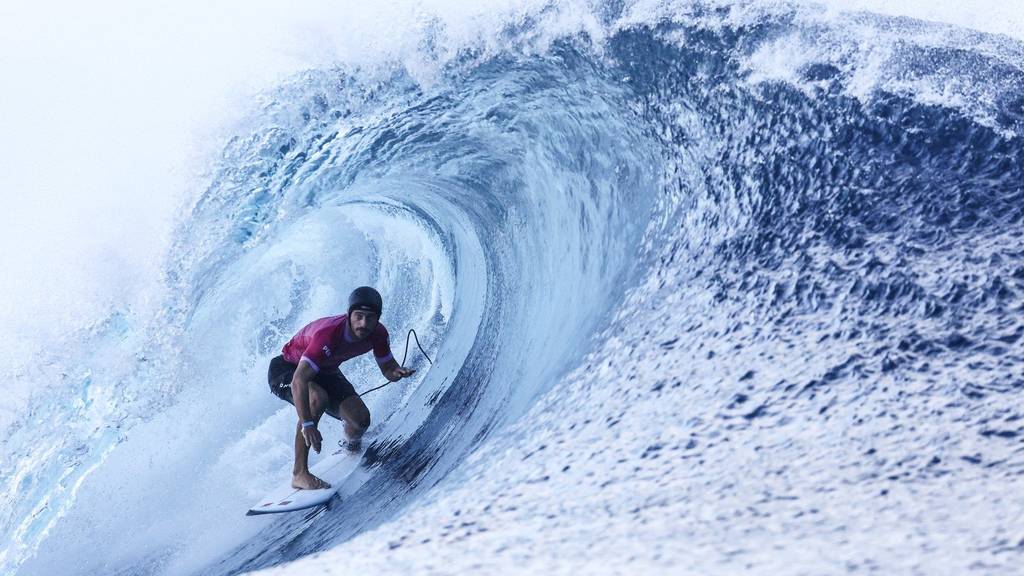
(312, 437)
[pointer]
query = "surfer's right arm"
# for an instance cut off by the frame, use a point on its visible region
(304, 373)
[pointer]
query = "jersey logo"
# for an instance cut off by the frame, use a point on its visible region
(327, 352)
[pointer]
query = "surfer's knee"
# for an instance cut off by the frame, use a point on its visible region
(357, 424)
(361, 418)
(356, 414)
(363, 421)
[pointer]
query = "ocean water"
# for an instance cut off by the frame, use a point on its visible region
(709, 288)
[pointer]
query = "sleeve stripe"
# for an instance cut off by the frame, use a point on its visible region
(384, 359)
(310, 362)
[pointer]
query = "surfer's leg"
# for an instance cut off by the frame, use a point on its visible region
(346, 405)
(356, 416)
(317, 403)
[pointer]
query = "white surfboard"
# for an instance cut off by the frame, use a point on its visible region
(332, 469)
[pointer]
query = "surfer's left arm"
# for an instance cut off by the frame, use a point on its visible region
(393, 372)
(385, 360)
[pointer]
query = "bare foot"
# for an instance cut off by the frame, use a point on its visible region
(308, 482)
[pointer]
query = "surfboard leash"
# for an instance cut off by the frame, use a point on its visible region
(404, 356)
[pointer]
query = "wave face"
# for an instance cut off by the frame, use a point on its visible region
(730, 288)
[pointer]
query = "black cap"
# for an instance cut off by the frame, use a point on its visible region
(365, 298)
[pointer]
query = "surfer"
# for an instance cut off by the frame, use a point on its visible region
(306, 375)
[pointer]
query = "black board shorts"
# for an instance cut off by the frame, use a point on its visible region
(337, 386)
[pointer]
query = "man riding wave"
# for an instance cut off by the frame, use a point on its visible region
(307, 375)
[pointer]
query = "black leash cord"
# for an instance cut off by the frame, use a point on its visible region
(404, 356)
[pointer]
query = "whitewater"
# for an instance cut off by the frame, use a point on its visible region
(708, 287)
